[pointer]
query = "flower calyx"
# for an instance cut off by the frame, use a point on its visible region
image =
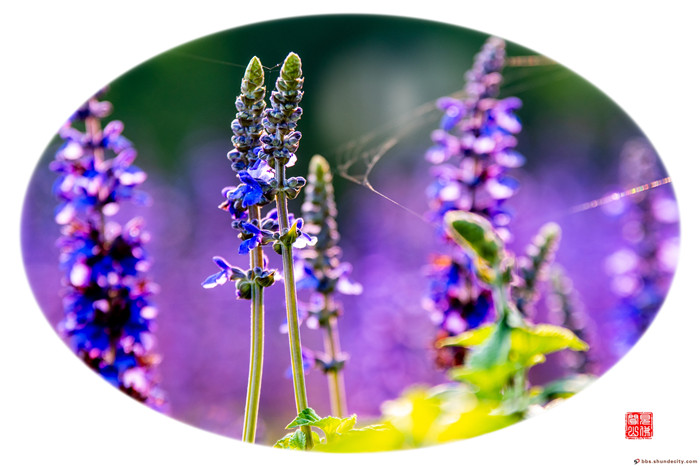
(328, 364)
(292, 186)
(323, 315)
(244, 279)
(255, 276)
(294, 236)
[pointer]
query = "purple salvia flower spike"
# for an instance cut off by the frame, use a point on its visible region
(244, 203)
(105, 264)
(565, 307)
(320, 271)
(533, 267)
(279, 144)
(641, 270)
(473, 149)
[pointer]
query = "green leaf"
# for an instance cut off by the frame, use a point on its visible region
(290, 236)
(333, 426)
(283, 442)
(477, 237)
(381, 437)
(307, 417)
(489, 367)
(477, 421)
(298, 441)
(525, 341)
(494, 350)
(487, 380)
(470, 338)
(425, 416)
(413, 414)
(292, 441)
(500, 350)
(561, 388)
(528, 342)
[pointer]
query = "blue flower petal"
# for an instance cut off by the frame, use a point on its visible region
(248, 245)
(218, 278)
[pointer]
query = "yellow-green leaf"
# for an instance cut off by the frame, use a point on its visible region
(296, 440)
(528, 342)
(561, 388)
(382, 437)
(487, 381)
(495, 349)
(333, 426)
(477, 237)
(480, 420)
(413, 414)
(305, 418)
(470, 338)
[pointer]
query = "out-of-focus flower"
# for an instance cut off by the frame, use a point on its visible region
(533, 266)
(108, 315)
(566, 309)
(641, 270)
(473, 150)
(319, 270)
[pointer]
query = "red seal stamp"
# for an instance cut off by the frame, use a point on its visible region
(639, 425)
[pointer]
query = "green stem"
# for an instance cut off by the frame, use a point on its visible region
(94, 132)
(504, 312)
(520, 385)
(500, 300)
(290, 294)
(257, 328)
(336, 384)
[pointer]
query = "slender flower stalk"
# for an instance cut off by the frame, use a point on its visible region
(109, 317)
(280, 143)
(264, 145)
(473, 150)
(244, 204)
(246, 138)
(319, 270)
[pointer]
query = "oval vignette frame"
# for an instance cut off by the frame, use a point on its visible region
(184, 157)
